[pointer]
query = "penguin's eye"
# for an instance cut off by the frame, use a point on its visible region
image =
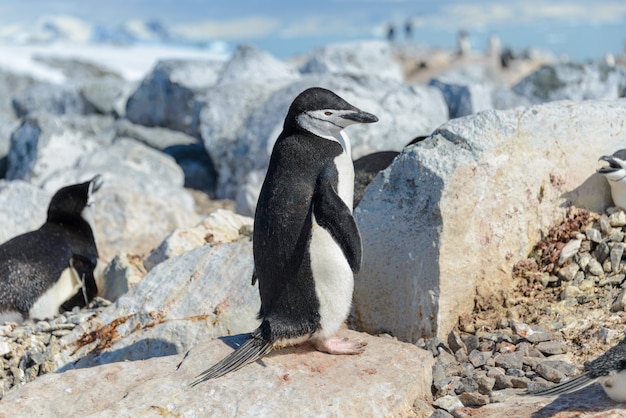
(328, 113)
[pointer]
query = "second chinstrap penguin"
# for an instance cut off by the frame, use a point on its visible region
(306, 243)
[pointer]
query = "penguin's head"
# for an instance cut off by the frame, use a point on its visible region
(616, 170)
(323, 113)
(76, 201)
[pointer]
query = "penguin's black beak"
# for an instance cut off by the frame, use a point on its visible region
(613, 165)
(96, 183)
(360, 117)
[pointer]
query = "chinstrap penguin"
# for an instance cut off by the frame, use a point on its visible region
(609, 370)
(615, 173)
(51, 269)
(306, 244)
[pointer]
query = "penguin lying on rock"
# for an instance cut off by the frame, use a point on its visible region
(609, 370)
(51, 269)
(306, 244)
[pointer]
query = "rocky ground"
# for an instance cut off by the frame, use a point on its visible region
(567, 307)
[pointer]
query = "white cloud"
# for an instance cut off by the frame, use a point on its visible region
(477, 15)
(326, 25)
(247, 27)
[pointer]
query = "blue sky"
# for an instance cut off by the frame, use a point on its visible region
(579, 28)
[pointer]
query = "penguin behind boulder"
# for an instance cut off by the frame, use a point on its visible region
(615, 174)
(306, 243)
(51, 269)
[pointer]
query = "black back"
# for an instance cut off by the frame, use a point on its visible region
(31, 263)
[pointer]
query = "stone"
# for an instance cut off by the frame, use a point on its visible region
(595, 268)
(572, 81)
(617, 219)
(616, 256)
(39, 140)
(568, 272)
(473, 399)
(107, 95)
(121, 274)
(619, 304)
(360, 58)
(166, 96)
(23, 208)
(160, 384)
(552, 347)
(593, 235)
(549, 373)
(448, 403)
(570, 249)
(221, 226)
(202, 294)
(54, 99)
(416, 213)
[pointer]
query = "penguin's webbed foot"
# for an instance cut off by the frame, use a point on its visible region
(336, 345)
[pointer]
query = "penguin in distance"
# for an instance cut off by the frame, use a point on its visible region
(306, 243)
(609, 370)
(615, 173)
(49, 270)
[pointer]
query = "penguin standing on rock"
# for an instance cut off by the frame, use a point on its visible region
(609, 370)
(615, 173)
(51, 269)
(306, 243)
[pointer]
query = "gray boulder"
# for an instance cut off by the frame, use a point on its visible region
(466, 89)
(10, 85)
(107, 95)
(51, 98)
(44, 144)
(166, 97)
(23, 208)
(187, 150)
(361, 58)
(573, 82)
(444, 224)
(248, 63)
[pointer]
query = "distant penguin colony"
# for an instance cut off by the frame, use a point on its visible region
(51, 269)
(306, 243)
(615, 173)
(609, 370)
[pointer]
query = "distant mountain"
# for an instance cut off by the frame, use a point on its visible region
(52, 29)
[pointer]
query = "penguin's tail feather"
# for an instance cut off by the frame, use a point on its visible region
(570, 385)
(249, 352)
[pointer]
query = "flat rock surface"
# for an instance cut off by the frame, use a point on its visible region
(385, 380)
(590, 402)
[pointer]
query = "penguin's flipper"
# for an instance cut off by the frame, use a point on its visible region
(83, 267)
(250, 351)
(570, 385)
(332, 214)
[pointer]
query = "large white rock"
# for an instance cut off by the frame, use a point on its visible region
(388, 379)
(444, 224)
(204, 293)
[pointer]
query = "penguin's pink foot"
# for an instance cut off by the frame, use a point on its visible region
(336, 345)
